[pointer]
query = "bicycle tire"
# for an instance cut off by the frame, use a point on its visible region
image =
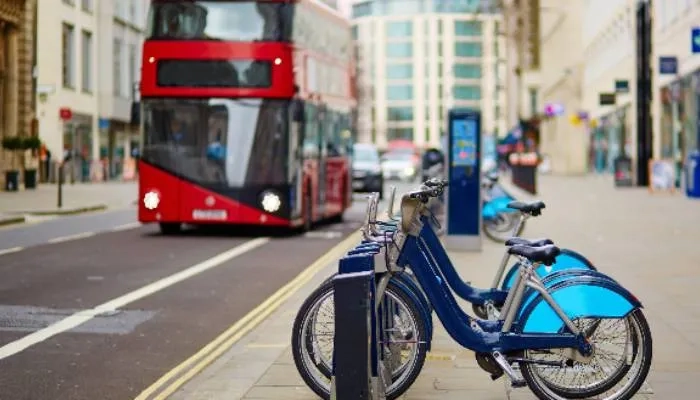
(400, 281)
(498, 239)
(544, 391)
(299, 342)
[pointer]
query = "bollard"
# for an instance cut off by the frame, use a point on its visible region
(60, 185)
(357, 370)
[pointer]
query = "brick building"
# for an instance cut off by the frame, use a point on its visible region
(16, 62)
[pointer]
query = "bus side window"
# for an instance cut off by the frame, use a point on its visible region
(310, 131)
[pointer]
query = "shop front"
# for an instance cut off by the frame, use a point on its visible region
(77, 147)
(610, 140)
(680, 129)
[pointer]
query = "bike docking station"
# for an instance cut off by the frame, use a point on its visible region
(358, 365)
(463, 195)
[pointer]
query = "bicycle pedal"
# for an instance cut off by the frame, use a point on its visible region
(508, 370)
(518, 383)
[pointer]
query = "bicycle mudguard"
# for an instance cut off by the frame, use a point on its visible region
(495, 206)
(560, 276)
(568, 259)
(579, 297)
(419, 299)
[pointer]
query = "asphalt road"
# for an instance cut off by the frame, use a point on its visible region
(62, 269)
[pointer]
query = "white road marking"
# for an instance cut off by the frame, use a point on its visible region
(11, 250)
(66, 238)
(83, 316)
(126, 227)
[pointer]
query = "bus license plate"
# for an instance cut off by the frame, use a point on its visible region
(211, 215)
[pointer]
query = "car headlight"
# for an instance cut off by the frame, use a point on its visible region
(270, 202)
(409, 171)
(151, 200)
(377, 169)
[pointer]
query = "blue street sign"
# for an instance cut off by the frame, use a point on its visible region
(103, 123)
(695, 40)
(668, 65)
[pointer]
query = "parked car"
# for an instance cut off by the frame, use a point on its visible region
(399, 165)
(367, 169)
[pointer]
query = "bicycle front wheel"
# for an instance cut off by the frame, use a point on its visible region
(312, 340)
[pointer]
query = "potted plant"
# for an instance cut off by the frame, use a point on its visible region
(30, 143)
(12, 144)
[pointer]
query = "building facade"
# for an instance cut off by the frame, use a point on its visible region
(676, 99)
(609, 39)
(97, 45)
(16, 61)
(418, 59)
(563, 137)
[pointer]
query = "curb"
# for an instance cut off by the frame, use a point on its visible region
(71, 211)
(13, 220)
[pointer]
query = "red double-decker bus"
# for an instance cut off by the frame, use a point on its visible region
(246, 113)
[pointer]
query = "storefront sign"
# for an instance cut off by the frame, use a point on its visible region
(623, 171)
(668, 65)
(695, 40)
(606, 99)
(622, 86)
(662, 176)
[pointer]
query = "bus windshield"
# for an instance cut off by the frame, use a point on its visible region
(218, 142)
(244, 21)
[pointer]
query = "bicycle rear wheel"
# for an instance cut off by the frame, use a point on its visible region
(312, 340)
(549, 383)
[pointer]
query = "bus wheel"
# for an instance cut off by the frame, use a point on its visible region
(170, 228)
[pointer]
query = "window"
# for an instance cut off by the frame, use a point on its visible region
(467, 71)
(132, 65)
(532, 92)
(86, 47)
(399, 50)
(245, 21)
(403, 29)
(362, 9)
(86, 5)
(466, 92)
(399, 113)
(467, 28)
(456, 6)
(68, 45)
(399, 92)
(399, 133)
(399, 71)
(464, 49)
(354, 32)
(132, 11)
(117, 78)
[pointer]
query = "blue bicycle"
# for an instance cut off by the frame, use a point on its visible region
(417, 329)
(499, 221)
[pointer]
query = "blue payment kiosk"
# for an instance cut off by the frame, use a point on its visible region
(463, 200)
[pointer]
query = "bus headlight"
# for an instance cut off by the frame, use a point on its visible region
(271, 202)
(151, 200)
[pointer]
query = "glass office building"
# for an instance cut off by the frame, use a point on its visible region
(419, 58)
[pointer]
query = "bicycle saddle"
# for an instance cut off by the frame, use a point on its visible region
(514, 241)
(534, 208)
(545, 254)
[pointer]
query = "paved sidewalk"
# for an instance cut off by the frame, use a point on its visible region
(648, 242)
(77, 198)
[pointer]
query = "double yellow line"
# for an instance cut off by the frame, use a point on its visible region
(181, 374)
